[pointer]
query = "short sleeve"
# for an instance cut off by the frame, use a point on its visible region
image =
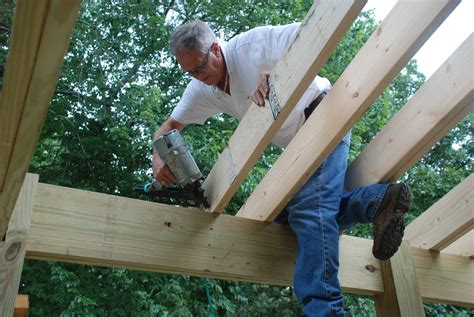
(194, 106)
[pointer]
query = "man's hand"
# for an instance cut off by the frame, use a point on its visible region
(261, 92)
(161, 171)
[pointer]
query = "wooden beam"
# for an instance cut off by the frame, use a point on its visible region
(380, 59)
(442, 101)
(463, 246)
(12, 250)
(401, 296)
(96, 229)
(22, 305)
(84, 227)
(447, 220)
(444, 278)
(25, 40)
(22, 111)
(324, 26)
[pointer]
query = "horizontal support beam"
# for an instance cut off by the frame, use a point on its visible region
(388, 49)
(318, 36)
(42, 30)
(83, 227)
(439, 104)
(447, 220)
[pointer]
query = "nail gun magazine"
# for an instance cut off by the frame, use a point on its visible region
(174, 151)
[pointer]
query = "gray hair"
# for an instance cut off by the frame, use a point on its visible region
(196, 35)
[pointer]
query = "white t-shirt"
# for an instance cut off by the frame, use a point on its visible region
(246, 55)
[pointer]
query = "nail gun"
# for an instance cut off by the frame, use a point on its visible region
(174, 151)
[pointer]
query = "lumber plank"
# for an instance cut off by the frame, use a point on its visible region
(440, 103)
(83, 227)
(447, 220)
(26, 113)
(323, 27)
(401, 296)
(463, 246)
(380, 59)
(22, 53)
(12, 250)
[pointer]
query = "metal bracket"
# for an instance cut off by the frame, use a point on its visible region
(273, 99)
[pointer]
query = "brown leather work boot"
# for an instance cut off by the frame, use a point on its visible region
(388, 222)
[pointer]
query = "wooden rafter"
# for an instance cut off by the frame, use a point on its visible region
(40, 36)
(325, 24)
(440, 103)
(446, 221)
(463, 246)
(380, 59)
(12, 250)
(84, 227)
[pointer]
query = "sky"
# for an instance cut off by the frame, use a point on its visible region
(444, 41)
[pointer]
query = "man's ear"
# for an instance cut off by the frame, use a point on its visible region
(216, 49)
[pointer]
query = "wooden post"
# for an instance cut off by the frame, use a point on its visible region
(12, 250)
(22, 306)
(401, 295)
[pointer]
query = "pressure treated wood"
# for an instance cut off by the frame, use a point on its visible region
(26, 113)
(84, 227)
(447, 220)
(324, 26)
(464, 246)
(10, 265)
(440, 103)
(24, 44)
(380, 59)
(401, 296)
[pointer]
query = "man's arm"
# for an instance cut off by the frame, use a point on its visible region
(161, 171)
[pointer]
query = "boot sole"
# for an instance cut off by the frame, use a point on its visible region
(392, 234)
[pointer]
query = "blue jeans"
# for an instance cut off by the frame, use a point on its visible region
(316, 214)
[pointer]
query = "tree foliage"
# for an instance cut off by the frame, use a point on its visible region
(118, 83)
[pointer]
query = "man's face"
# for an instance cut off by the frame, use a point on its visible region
(206, 67)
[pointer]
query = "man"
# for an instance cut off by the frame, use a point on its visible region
(226, 79)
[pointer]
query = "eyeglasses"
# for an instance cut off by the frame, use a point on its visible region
(201, 67)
